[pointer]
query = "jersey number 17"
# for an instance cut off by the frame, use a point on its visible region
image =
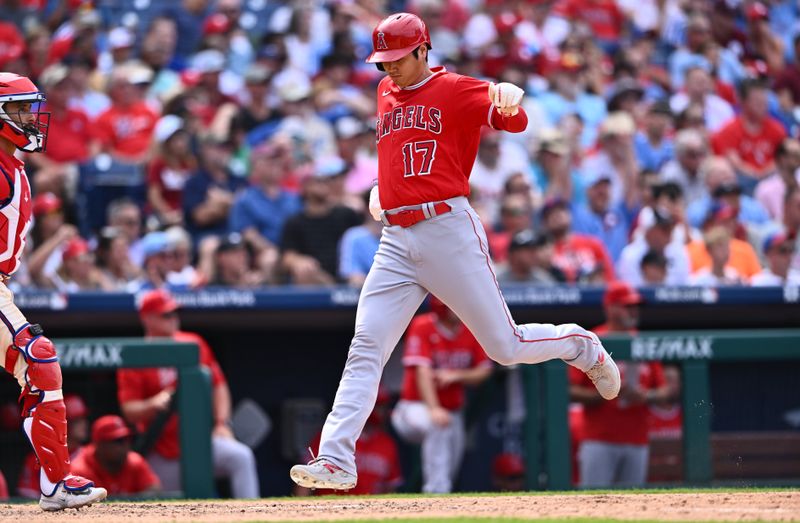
(419, 155)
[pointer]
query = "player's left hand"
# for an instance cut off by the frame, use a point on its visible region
(506, 97)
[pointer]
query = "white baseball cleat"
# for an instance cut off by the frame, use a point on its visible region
(72, 492)
(605, 375)
(322, 473)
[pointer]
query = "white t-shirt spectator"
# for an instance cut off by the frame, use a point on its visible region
(705, 278)
(716, 110)
(487, 183)
(629, 264)
(767, 278)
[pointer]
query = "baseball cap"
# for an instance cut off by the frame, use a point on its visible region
(166, 127)
(257, 74)
(157, 301)
(508, 464)
(53, 75)
(74, 248)
(216, 23)
(660, 107)
(329, 166)
(776, 239)
(120, 37)
(46, 203)
(109, 428)
(621, 293)
(208, 61)
(231, 242)
(552, 204)
(154, 243)
(624, 87)
(526, 238)
(617, 124)
(292, 85)
(757, 11)
(349, 127)
(76, 408)
(552, 140)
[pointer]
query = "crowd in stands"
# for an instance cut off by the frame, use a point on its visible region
(220, 142)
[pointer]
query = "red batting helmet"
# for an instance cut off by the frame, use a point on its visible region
(396, 36)
(30, 137)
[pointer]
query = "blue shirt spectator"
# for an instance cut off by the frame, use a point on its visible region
(357, 250)
(599, 218)
(264, 212)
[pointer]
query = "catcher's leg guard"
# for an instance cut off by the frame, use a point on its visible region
(43, 403)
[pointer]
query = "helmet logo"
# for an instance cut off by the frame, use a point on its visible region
(381, 43)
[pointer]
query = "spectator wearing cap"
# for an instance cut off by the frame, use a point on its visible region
(125, 130)
(698, 89)
(77, 435)
(69, 135)
(169, 170)
(694, 51)
(299, 119)
(496, 161)
(778, 251)
(614, 451)
(721, 183)
(335, 96)
(310, 238)
(743, 257)
(50, 236)
(265, 206)
(552, 170)
(85, 97)
(210, 192)
(157, 51)
(231, 263)
(668, 198)
(221, 32)
(119, 50)
(111, 462)
(750, 139)
(598, 217)
(604, 17)
(146, 394)
(508, 473)
(761, 43)
(125, 215)
(78, 272)
(568, 95)
(113, 259)
(720, 273)
(516, 214)
(155, 246)
(654, 268)
(357, 248)
(529, 256)
(657, 237)
(582, 258)
(771, 191)
(653, 145)
(356, 146)
(616, 158)
(255, 109)
(626, 95)
(691, 150)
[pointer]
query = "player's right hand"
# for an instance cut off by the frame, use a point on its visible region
(440, 417)
(505, 97)
(375, 204)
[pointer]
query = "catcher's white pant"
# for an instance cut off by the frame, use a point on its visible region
(447, 255)
(442, 447)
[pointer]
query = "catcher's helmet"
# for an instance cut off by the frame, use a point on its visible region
(27, 137)
(396, 36)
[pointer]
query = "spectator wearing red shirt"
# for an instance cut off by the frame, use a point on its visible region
(614, 452)
(168, 171)
(111, 462)
(77, 435)
(125, 130)
(441, 358)
(749, 140)
(604, 18)
(146, 394)
(582, 258)
(377, 458)
(68, 138)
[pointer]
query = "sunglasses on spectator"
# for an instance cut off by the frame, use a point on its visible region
(513, 211)
(169, 314)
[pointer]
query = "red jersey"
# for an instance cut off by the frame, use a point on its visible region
(15, 212)
(377, 461)
(615, 421)
(428, 136)
(579, 255)
(135, 476)
(170, 180)
(126, 131)
(604, 17)
(68, 136)
(429, 344)
(665, 422)
(139, 384)
(756, 150)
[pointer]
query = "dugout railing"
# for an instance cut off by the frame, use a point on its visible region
(193, 394)
(547, 437)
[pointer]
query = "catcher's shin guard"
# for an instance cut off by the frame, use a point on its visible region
(47, 430)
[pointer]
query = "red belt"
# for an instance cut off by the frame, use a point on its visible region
(409, 217)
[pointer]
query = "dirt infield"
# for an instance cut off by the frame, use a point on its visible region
(722, 506)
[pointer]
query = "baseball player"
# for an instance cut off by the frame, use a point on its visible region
(24, 350)
(428, 129)
(441, 357)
